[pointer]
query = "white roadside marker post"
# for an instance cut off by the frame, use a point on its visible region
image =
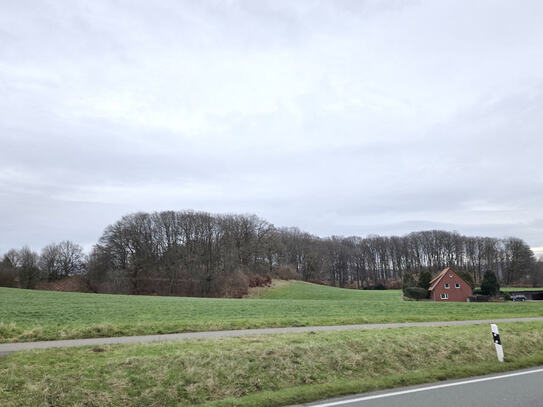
(497, 341)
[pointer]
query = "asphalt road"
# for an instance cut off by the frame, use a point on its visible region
(6, 348)
(523, 388)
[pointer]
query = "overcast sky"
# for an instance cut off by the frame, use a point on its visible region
(340, 117)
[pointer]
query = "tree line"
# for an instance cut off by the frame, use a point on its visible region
(201, 254)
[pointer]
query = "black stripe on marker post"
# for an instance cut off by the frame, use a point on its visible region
(496, 338)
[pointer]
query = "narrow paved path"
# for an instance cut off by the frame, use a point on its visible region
(521, 388)
(6, 348)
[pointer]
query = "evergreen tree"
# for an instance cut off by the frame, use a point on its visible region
(466, 277)
(490, 285)
(424, 279)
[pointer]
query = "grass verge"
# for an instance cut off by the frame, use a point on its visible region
(261, 370)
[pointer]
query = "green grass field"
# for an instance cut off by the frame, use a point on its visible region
(27, 315)
(521, 289)
(263, 370)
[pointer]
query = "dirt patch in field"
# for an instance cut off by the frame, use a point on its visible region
(68, 284)
(256, 292)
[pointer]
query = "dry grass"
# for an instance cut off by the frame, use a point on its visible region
(260, 292)
(259, 370)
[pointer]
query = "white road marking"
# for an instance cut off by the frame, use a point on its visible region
(438, 386)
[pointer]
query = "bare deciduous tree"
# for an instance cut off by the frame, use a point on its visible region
(201, 254)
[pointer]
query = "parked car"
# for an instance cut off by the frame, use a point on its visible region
(518, 297)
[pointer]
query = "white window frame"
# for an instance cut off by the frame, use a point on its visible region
(447, 286)
(444, 296)
(456, 285)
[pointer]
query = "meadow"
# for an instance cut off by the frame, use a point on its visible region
(261, 370)
(29, 315)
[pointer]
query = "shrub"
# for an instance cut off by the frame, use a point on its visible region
(236, 285)
(479, 298)
(378, 286)
(258, 281)
(506, 296)
(417, 293)
(408, 281)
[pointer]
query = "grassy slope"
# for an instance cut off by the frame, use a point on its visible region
(521, 289)
(306, 291)
(299, 290)
(27, 315)
(260, 370)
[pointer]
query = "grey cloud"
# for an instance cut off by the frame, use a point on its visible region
(339, 117)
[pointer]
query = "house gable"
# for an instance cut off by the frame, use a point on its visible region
(449, 286)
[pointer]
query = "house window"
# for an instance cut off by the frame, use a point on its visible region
(457, 285)
(450, 275)
(447, 285)
(444, 296)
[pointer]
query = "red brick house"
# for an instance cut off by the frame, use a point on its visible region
(449, 286)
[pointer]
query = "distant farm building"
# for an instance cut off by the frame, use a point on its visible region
(449, 286)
